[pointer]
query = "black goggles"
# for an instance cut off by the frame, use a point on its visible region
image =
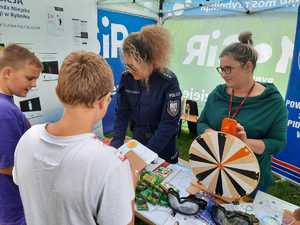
(189, 205)
(223, 217)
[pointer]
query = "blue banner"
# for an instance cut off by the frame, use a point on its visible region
(114, 27)
(225, 7)
(287, 162)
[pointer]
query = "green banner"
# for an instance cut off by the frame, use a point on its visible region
(197, 43)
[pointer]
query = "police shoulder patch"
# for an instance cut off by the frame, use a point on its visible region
(174, 94)
(173, 107)
(167, 74)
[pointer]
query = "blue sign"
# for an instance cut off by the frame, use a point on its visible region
(225, 7)
(114, 27)
(287, 162)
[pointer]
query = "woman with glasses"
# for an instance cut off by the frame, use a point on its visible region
(257, 108)
(148, 97)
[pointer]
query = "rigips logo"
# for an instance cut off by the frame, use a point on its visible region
(111, 37)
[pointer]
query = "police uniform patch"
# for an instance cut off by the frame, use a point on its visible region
(175, 94)
(173, 107)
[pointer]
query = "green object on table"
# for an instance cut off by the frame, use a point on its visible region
(141, 203)
(141, 186)
(152, 179)
(148, 189)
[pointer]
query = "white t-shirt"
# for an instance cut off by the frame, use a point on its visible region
(75, 180)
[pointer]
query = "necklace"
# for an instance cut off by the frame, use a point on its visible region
(238, 109)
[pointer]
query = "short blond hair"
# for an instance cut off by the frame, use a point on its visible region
(16, 56)
(84, 78)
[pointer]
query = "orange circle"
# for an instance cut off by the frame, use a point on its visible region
(132, 144)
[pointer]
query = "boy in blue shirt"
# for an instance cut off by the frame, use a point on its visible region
(19, 70)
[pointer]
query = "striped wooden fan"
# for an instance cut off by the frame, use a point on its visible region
(224, 165)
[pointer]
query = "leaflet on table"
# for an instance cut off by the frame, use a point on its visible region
(141, 150)
(269, 209)
(157, 162)
(181, 178)
(157, 214)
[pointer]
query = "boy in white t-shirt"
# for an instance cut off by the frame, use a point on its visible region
(65, 174)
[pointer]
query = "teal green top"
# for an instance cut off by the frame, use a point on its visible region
(263, 117)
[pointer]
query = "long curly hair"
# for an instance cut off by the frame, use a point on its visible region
(151, 45)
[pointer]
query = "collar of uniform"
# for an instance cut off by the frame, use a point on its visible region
(165, 73)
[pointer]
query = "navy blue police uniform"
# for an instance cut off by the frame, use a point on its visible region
(152, 109)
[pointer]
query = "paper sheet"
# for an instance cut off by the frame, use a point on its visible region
(269, 209)
(183, 220)
(141, 150)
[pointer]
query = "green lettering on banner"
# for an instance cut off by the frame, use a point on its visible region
(199, 41)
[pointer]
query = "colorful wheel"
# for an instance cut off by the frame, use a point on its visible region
(224, 165)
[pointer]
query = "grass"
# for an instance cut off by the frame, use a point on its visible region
(285, 190)
(184, 142)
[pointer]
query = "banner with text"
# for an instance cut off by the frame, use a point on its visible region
(226, 7)
(197, 43)
(287, 162)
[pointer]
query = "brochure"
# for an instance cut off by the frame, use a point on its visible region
(141, 150)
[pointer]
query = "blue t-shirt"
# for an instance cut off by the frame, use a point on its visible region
(13, 125)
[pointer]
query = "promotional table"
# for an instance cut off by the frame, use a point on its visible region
(267, 208)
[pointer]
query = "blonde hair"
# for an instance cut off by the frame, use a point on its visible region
(16, 56)
(242, 51)
(84, 78)
(151, 45)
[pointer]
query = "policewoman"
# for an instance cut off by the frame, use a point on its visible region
(148, 97)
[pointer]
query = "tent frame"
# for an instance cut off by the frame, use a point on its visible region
(160, 13)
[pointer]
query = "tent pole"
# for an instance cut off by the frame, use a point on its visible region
(244, 6)
(160, 12)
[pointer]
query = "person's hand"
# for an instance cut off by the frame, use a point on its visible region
(137, 164)
(241, 133)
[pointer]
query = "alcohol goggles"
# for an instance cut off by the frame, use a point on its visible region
(189, 205)
(223, 217)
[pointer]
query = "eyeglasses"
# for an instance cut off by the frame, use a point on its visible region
(108, 94)
(189, 205)
(225, 69)
(223, 217)
(130, 67)
(110, 97)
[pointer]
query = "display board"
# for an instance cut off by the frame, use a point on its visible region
(51, 29)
